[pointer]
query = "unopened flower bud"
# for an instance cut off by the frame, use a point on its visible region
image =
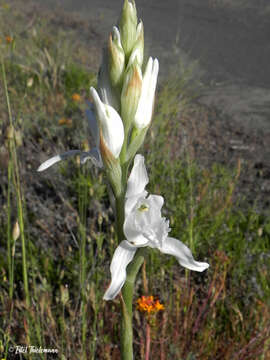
(16, 231)
(144, 111)
(128, 26)
(111, 128)
(64, 294)
(130, 95)
(116, 57)
(138, 47)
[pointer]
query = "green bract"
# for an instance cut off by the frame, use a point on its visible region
(128, 26)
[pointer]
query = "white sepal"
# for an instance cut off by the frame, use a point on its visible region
(144, 111)
(55, 159)
(183, 254)
(138, 178)
(122, 256)
(110, 125)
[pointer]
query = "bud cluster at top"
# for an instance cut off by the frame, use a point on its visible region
(125, 87)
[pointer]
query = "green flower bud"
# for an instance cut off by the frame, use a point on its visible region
(116, 57)
(139, 44)
(131, 93)
(128, 26)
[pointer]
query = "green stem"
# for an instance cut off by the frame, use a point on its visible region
(132, 269)
(9, 237)
(191, 223)
(120, 217)
(82, 197)
(16, 180)
(127, 299)
(120, 204)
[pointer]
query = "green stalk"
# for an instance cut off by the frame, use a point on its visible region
(120, 217)
(24, 262)
(191, 223)
(127, 299)
(82, 224)
(9, 236)
(16, 180)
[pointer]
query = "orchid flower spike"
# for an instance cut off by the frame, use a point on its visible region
(145, 226)
(93, 154)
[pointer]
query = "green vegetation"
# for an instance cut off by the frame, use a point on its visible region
(55, 271)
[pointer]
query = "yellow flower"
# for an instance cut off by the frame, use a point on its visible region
(149, 305)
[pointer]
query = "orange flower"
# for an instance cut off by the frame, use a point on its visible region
(9, 39)
(149, 305)
(76, 97)
(65, 121)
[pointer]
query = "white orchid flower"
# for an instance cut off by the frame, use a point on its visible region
(93, 154)
(145, 226)
(110, 126)
(144, 111)
(108, 133)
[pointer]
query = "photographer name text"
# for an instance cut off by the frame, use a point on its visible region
(19, 349)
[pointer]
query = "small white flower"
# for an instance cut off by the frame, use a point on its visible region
(110, 125)
(144, 111)
(109, 128)
(93, 154)
(145, 226)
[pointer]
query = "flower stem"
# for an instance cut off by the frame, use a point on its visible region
(132, 271)
(127, 297)
(148, 341)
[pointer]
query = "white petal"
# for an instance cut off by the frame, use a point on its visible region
(93, 155)
(154, 76)
(133, 232)
(48, 163)
(138, 178)
(117, 36)
(156, 202)
(145, 107)
(122, 256)
(113, 131)
(183, 254)
(139, 29)
(110, 123)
